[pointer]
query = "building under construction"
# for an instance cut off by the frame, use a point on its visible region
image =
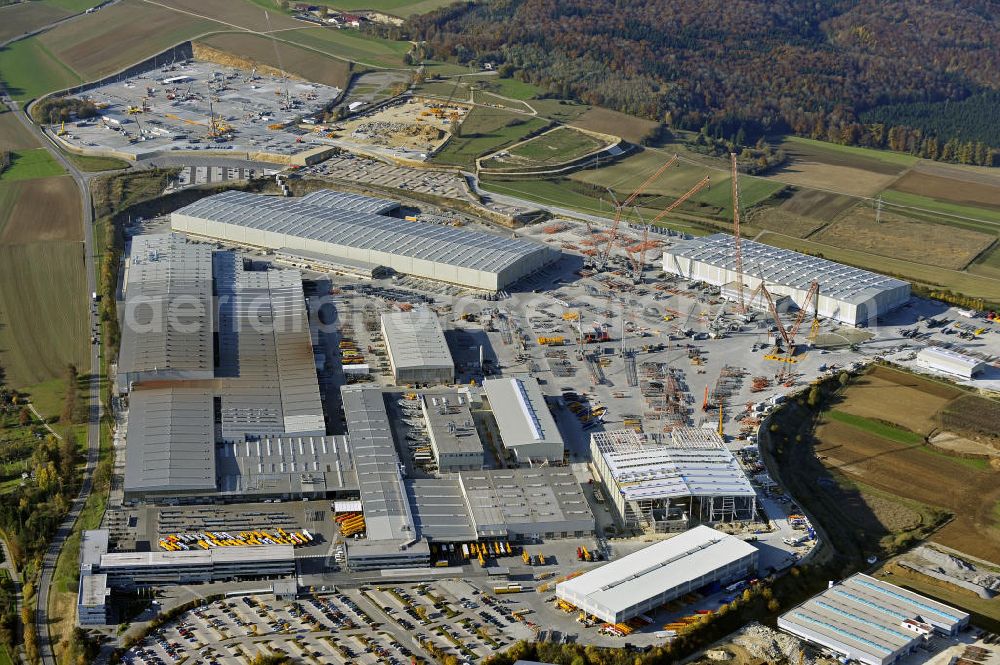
(849, 295)
(688, 479)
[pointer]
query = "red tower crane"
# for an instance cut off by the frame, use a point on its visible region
(601, 260)
(737, 254)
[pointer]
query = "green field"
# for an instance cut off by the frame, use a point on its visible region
(29, 164)
(351, 45)
(484, 131)
(884, 430)
(29, 69)
(626, 175)
(24, 17)
(506, 87)
(554, 147)
(5, 658)
(885, 156)
(991, 217)
(92, 164)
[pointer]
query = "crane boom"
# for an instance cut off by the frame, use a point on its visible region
(704, 182)
(737, 253)
(774, 313)
(812, 294)
(605, 254)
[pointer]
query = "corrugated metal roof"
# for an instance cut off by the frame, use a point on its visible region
(346, 201)
(387, 513)
(267, 370)
(948, 359)
(286, 465)
(168, 285)
(432, 242)
(439, 509)
(786, 267)
(866, 614)
(170, 443)
(415, 340)
(521, 412)
(626, 582)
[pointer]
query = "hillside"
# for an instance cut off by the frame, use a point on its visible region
(811, 68)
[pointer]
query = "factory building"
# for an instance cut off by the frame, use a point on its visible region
(418, 350)
(454, 439)
(660, 573)
(501, 504)
(691, 477)
(948, 361)
(849, 295)
(200, 375)
(465, 257)
(129, 570)
(167, 312)
(527, 428)
(871, 621)
(391, 540)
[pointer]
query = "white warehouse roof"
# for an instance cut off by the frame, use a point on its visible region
(523, 417)
(347, 201)
(415, 340)
(632, 580)
(457, 255)
(949, 361)
(787, 267)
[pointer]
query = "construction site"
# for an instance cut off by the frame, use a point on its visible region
(197, 105)
(409, 129)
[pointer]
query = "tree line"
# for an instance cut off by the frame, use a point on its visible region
(782, 65)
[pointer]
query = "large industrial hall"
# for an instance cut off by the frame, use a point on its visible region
(849, 295)
(355, 229)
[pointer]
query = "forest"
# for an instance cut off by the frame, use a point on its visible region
(854, 71)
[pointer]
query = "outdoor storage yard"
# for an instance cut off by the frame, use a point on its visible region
(196, 105)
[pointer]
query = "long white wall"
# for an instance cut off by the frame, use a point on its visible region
(474, 278)
(829, 307)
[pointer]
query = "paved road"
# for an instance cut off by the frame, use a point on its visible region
(93, 426)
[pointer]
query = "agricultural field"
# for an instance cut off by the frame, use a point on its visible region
(120, 35)
(28, 164)
(842, 169)
(974, 285)
(814, 204)
(297, 61)
(557, 146)
(964, 191)
(606, 121)
(93, 164)
(25, 17)
(899, 237)
(483, 131)
(237, 13)
(626, 175)
(43, 315)
(40, 210)
(885, 448)
(12, 133)
(350, 45)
